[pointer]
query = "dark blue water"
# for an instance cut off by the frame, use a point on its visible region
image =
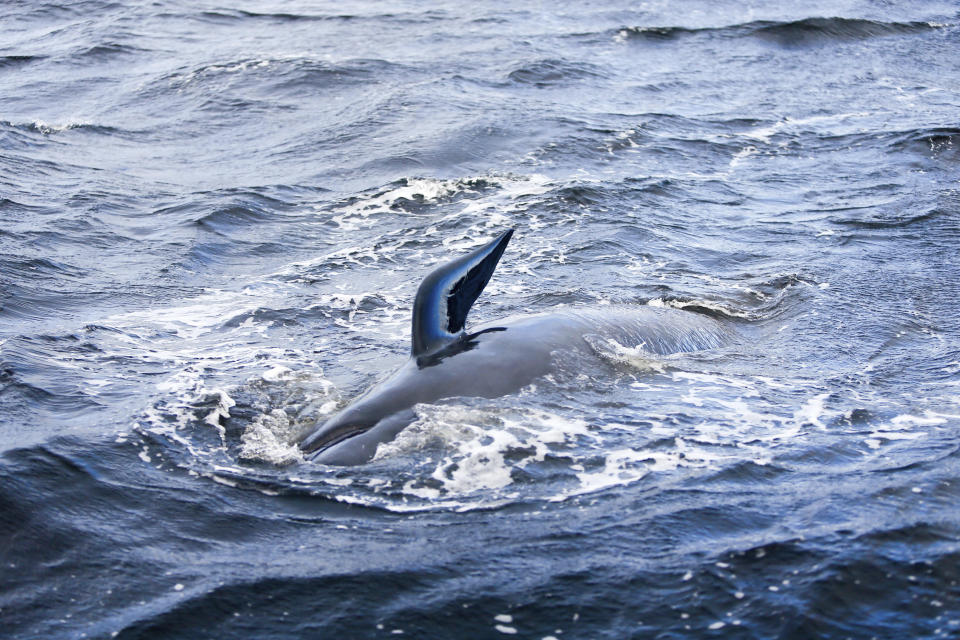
(212, 225)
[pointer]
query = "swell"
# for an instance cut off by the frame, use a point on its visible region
(16, 61)
(299, 74)
(552, 71)
(52, 11)
(49, 302)
(23, 302)
(935, 142)
(754, 300)
(793, 33)
(820, 134)
(816, 29)
(773, 587)
(43, 371)
(243, 208)
(282, 17)
(891, 219)
(45, 128)
(276, 76)
(207, 610)
(259, 202)
(220, 15)
(20, 399)
(415, 195)
(107, 52)
(662, 134)
(42, 268)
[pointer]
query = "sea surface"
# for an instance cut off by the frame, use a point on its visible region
(213, 221)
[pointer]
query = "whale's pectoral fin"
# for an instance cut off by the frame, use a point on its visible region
(446, 295)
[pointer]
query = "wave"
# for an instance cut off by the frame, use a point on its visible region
(280, 75)
(244, 208)
(46, 268)
(18, 61)
(930, 141)
(225, 218)
(412, 195)
(62, 399)
(81, 11)
(793, 33)
(28, 302)
(814, 29)
(828, 132)
(658, 33)
(241, 14)
(221, 15)
(48, 128)
(339, 592)
(552, 71)
(32, 371)
(17, 207)
(109, 50)
(748, 299)
(305, 73)
(231, 207)
(884, 218)
(674, 136)
(933, 142)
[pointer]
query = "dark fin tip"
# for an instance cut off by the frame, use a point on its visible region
(447, 294)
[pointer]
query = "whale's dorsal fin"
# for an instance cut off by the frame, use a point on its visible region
(446, 295)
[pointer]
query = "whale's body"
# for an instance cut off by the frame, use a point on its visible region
(498, 359)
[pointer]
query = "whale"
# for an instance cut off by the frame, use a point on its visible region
(495, 359)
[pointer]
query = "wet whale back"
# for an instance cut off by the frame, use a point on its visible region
(494, 360)
(658, 330)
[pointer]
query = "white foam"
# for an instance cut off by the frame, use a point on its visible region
(481, 449)
(621, 467)
(195, 318)
(475, 442)
(812, 411)
(813, 123)
(222, 410)
(217, 69)
(276, 373)
(491, 206)
(928, 418)
(906, 427)
(636, 357)
(47, 128)
(271, 437)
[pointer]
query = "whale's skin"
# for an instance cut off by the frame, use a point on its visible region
(503, 357)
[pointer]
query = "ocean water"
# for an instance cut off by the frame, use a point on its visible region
(212, 224)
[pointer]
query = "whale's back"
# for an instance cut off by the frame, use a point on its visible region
(500, 359)
(658, 330)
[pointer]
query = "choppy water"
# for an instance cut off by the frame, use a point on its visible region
(213, 224)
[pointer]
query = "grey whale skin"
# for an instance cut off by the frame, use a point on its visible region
(494, 360)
